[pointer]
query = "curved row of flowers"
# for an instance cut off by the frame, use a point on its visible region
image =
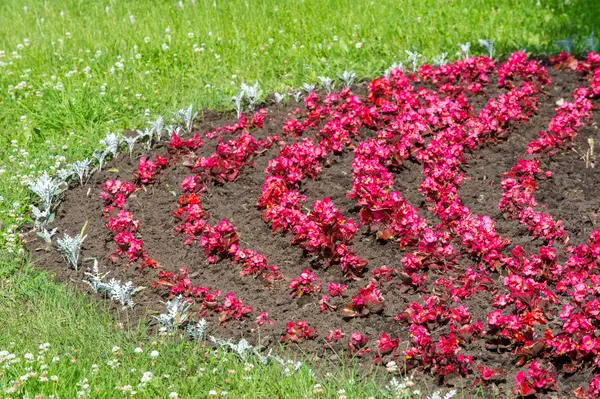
(435, 128)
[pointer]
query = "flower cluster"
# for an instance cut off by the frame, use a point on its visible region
(147, 170)
(298, 331)
(305, 283)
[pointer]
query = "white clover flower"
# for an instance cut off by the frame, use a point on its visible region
(28, 356)
(54, 378)
(55, 359)
(68, 35)
(212, 392)
(191, 35)
(154, 354)
(146, 377)
(165, 47)
(138, 350)
(173, 395)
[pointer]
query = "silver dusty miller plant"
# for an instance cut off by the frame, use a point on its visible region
(347, 78)
(242, 349)
(296, 95)
(238, 103)
(308, 87)
(488, 45)
(82, 170)
(464, 49)
(186, 117)
(122, 293)
(591, 43)
(111, 147)
(64, 174)
(114, 289)
(441, 59)
(70, 247)
(46, 234)
(414, 59)
(48, 190)
(147, 136)
(157, 127)
(41, 219)
(130, 141)
(327, 83)
(279, 97)
(196, 331)
(252, 94)
(176, 314)
(567, 45)
(111, 143)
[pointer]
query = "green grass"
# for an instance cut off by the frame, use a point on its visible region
(73, 70)
(35, 311)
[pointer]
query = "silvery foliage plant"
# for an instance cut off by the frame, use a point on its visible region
(464, 49)
(489, 46)
(449, 395)
(130, 141)
(238, 103)
(123, 293)
(196, 331)
(47, 235)
(395, 65)
(186, 117)
(64, 174)
(157, 127)
(279, 97)
(308, 87)
(114, 289)
(591, 43)
(70, 247)
(145, 135)
(327, 83)
(252, 94)
(567, 44)
(82, 170)
(176, 314)
(347, 78)
(111, 143)
(441, 59)
(296, 95)
(48, 190)
(242, 349)
(111, 147)
(41, 218)
(399, 389)
(413, 59)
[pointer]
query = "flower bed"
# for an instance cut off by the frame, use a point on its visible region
(420, 219)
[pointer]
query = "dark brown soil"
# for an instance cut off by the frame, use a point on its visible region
(572, 194)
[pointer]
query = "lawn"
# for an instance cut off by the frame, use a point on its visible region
(72, 71)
